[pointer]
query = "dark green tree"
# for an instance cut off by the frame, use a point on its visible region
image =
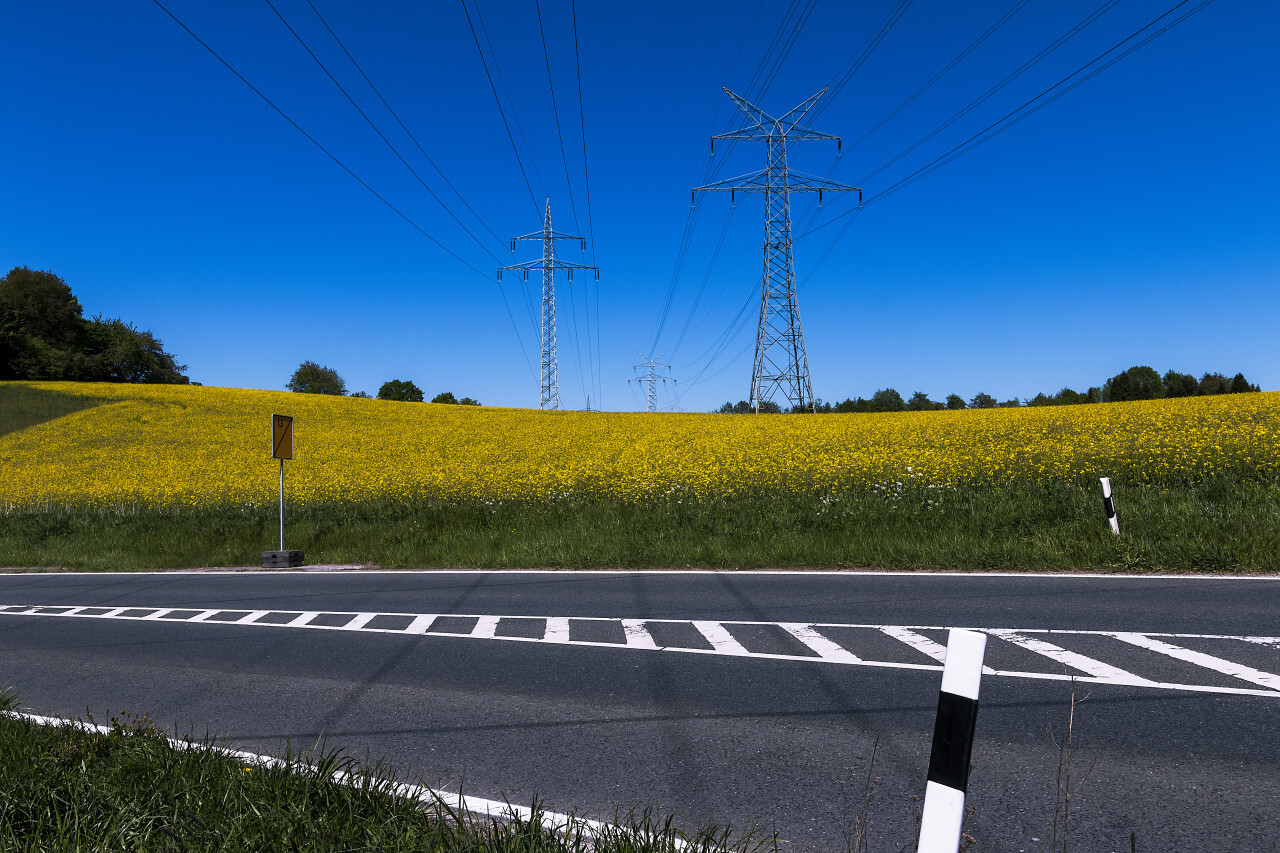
(982, 400)
(1214, 383)
(1240, 385)
(849, 406)
(955, 401)
(311, 378)
(404, 391)
(1068, 397)
(468, 401)
(920, 402)
(1180, 384)
(887, 400)
(43, 335)
(120, 352)
(1137, 383)
(445, 397)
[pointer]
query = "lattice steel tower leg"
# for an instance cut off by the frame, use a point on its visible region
(549, 390)
(781, 364)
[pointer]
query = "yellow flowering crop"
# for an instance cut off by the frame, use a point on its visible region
(185, 445)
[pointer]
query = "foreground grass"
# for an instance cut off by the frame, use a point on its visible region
(1223, 523)
(66, 789)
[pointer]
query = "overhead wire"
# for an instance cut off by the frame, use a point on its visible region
(586, 181)
(317, 143)
(1023, 111)
(814, 209)
(342, 165)
(376, 130)
(403, 127)
(510, 136)
(1022, 69)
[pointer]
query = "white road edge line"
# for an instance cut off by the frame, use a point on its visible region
(553, 821)
(233, 571)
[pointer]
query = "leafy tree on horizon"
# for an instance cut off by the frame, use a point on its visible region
(404, 391)
(920, 402)
(982, 400)
(1137, 383)
(311, 378)
(43, 335)
(955, 401)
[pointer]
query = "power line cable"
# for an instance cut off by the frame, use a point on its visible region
(380, 134)
(316, 143)
(813, 207)
(1024, 111)
(403, 127)
(586, 182)
(498, 101)
(1026, 66)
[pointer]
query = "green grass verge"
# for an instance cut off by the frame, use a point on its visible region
(67, 789)
(22, 406)
(1221, 524)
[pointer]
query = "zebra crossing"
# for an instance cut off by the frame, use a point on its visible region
(1205, 663)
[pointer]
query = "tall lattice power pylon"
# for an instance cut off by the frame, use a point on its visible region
(781, 363)
(650, 378)
(549, 395)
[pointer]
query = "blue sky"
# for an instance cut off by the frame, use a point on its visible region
(1131, 221)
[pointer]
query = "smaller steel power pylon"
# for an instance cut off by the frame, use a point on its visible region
(549, 394)
(651, 377)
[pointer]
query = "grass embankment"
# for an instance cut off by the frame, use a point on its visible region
(180, 477)
(129, 788)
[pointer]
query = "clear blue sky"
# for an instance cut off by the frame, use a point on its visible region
(1132, 221)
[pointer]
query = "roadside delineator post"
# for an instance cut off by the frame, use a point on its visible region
(1109, 505)
(282, 449)
(952, 743)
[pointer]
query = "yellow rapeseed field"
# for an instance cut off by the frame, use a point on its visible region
(183, 445)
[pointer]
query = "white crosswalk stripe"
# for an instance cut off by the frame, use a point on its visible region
(1081, 662)
(1199, 671)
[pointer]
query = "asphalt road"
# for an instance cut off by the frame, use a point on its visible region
(722, 713)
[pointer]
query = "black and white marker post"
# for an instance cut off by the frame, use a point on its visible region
(1109, 505)
(952, 743)
(282, 449)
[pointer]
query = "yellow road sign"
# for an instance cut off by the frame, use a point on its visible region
(281, 437)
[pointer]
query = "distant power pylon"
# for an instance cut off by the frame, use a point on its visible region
(651, 377)
(549, 396)
(781, 363)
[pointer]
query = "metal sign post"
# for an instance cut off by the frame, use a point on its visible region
(282, 449)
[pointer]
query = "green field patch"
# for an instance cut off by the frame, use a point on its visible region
(23, 406)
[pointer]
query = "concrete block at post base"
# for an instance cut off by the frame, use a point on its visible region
(281, 559)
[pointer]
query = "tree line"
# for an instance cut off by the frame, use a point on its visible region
(45, 336)
(312, 378)
(1137, 383)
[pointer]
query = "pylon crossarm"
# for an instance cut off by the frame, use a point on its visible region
(799, 182)
(803, 107)
(749, 109)
(752, 182)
